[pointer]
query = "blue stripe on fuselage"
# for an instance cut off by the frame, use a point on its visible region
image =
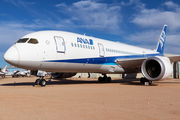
(102, 60)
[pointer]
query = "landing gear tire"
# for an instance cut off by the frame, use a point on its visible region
(104, 79)
(42, 82)
(37, 81)
(145, 81)
(109, 79)
(100, 79)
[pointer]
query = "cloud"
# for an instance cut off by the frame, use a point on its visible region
(10, 35)
(158, 17)
(131, 2)
(151, 20)
(61, 5)
(146, 38)
(89, 15)
(20, 3)
(171, 5)
(93, 15)
(173, 40)
(149, 39)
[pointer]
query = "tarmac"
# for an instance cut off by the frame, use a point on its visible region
(86, 99)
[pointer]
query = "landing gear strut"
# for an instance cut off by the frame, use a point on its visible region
(145, 81)
(41, 81)
(104, 79)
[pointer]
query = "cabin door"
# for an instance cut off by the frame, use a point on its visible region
(60, 44)
(101, 50)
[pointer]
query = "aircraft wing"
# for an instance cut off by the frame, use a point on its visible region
(137, 62)
(174, 58)
(130, 63)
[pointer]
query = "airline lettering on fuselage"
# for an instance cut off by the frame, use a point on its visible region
(84, 41)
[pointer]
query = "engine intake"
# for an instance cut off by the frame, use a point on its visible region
(156, 68)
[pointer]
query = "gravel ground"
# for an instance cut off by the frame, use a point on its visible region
(86, 99)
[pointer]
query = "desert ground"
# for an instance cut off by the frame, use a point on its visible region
(86, 99)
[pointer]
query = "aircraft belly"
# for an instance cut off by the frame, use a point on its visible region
(77, 67)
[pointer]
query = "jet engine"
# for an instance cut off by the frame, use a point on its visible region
(62, 75)
(157, 68)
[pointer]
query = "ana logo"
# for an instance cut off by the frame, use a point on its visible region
(162, 37)
(84, 41)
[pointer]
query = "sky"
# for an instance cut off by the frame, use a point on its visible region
(134, 22)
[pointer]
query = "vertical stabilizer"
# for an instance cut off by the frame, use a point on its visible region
(4, 69)
(162, 39)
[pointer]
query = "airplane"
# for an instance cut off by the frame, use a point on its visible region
(25, 73)
(3, 71)
(66, 54)
(15, 73)
(19, 73)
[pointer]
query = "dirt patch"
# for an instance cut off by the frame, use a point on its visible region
(81, 98)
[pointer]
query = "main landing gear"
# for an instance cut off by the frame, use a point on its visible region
(104, 79)
(41, 81)
(145, 81)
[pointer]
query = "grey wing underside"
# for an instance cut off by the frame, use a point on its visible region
(137, 62)
(130, 63)
(174, 58)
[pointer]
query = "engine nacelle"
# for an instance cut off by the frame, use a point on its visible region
(62, 75)
(157, 68)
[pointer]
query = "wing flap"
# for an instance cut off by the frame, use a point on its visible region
(130, 63)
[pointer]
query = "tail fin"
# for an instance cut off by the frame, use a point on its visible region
(162, 40)
(4, 69)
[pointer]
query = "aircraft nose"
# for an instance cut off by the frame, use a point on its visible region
(12, 56)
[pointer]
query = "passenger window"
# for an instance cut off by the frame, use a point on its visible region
(23, 40)
(33, 41)
(72, 44)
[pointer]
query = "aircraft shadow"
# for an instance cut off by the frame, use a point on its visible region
(69, 82)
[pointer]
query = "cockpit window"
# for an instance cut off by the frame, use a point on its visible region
(33, 41)
(23, 40)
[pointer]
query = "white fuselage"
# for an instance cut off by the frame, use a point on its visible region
(58, 51)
